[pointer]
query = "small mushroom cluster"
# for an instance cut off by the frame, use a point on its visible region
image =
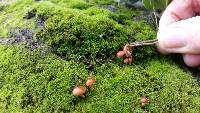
(81, 90)
(126, 54)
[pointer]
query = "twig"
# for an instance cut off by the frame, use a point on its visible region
(144, 43)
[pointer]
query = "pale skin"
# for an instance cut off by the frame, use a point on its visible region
(179, 30)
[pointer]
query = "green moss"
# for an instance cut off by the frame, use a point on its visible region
(93, 11)
(73, 33)
(15, 15)
(92, 34)
(79, 35)
(83, 32)
(77, 4)
(2, 7)
(12, 17)
(34, 83)
(100, 2)
(122, 15)
(119, 89)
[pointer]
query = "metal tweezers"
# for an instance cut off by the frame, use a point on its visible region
(144, 43)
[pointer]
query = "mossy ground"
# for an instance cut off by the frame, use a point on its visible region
(51, 46)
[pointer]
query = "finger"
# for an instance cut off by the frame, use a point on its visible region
(161, 50)
(192, 60)
(181, 37)
(179, 10)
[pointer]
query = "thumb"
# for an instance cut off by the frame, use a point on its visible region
(180, 37)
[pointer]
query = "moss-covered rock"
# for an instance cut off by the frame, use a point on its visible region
(120, 91)
(77, 36)
(30, 83)
(34, 83)
(45, 48)
(91, 35)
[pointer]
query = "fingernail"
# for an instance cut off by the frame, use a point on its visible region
(174, 38)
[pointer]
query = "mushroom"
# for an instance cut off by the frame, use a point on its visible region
(90, 82)
(144, 101)
(78, 91)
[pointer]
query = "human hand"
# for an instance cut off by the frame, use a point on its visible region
(179, 30)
